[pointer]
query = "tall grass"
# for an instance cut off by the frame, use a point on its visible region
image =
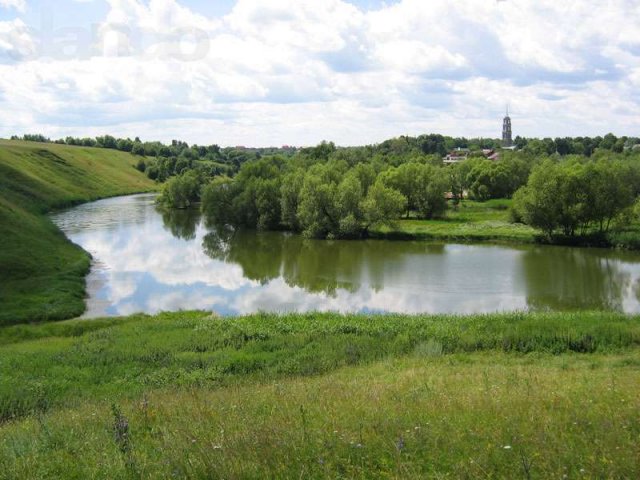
(53, 365)
(462, 416)
(190, 395)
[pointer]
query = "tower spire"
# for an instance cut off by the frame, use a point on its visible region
(507, 136)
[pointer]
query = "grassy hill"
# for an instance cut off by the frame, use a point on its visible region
(188, 395)
(41, 272)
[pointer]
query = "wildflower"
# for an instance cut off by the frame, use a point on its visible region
(507, 447)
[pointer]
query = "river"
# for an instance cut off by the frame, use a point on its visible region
(150, 260)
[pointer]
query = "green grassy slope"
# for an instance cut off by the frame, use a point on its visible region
(41, 272)
(322, 396)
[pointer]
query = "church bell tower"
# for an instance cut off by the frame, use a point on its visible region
(507, 136)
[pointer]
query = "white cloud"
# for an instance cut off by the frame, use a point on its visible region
(299, 71)
(16, 41)
(20, 5)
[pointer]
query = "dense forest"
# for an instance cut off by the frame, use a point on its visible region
(564, 187)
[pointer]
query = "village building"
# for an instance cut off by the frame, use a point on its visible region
(456, 156)
(461, 154)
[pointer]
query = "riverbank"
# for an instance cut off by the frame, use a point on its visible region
(42, 274)
(320, 396)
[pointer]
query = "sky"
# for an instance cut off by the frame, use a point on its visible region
(296, 72)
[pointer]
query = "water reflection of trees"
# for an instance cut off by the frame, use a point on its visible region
(315, 265)
(571, 279)
(554, 278)
(181, 223)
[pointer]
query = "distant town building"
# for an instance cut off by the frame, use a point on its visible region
(507, 134)
(456, 156)
(461, 154)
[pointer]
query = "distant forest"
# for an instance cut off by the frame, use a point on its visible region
(163, 161)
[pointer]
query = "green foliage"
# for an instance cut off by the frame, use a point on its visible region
(327, 199)
(575, 197)
(218, 201)
(319, 210)
(181, 191)
(382, 206)
(292, 183)
(424, 187)
(488, 179)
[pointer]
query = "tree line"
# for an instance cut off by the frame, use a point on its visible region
(329, 193)
(569, 187)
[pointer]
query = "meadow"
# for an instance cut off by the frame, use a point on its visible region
(470, 221)
(41, 272)
(191, 395)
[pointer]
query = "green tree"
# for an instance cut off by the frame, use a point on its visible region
(181, 191)
(537, 203)
(218, 205)
(290, 190)
(137, 149)
(382, 206)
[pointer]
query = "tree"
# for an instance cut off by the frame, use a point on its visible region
(318, 212)
(137, 148)
(290, 190)
(382, 206)
(218, 202)
(181, 191)
(424, 187)
(537, 203)
(430, 199)
(574, 196)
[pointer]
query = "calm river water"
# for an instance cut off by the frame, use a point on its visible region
(147, 260)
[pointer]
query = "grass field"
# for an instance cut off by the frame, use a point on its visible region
(41, 272)
(189, 395)
(469, 222)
